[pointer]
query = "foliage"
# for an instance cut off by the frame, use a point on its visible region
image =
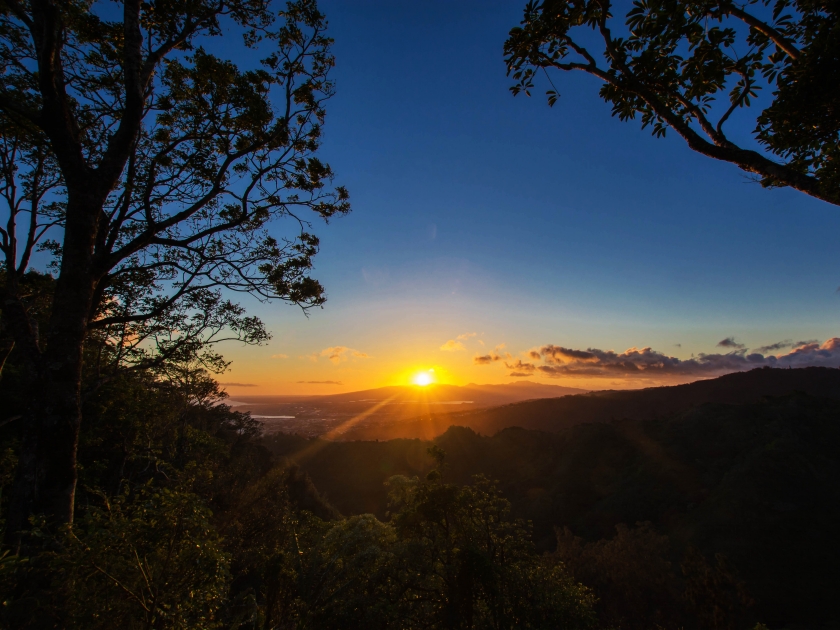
(717, 596)
(156, 559)
(151, 560)
(189, 182)
(156, 172)
(631, 575)
(636, 586)
(670, 63)
(470, 566)
(186, 521)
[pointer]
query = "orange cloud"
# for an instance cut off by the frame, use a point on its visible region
(452, 346)
(492, 357)
(337, 354)
(520, 368)
(320, 382)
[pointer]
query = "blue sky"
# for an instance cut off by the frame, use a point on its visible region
(474, 211)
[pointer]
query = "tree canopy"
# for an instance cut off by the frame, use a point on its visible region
(150, 161)
(690, 65)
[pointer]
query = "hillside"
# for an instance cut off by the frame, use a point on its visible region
(756, 481)
(555, 414)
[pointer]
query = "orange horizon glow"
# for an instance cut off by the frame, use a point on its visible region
(371, 367)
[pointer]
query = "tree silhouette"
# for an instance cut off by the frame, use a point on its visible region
(671, 60)
(151, 168)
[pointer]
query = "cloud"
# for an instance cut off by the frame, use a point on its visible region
(453, 346)
(730, 342)
(320, 382)
(238, 384)
(337, 354)
(773, 347)
(279, 356)
(646, 363)
(492, 357)
(519, 374)
(522, 369)
(781, 345)
(534, 354)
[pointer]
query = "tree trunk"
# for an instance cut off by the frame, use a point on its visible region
(45, 482)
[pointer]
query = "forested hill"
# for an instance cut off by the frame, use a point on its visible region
(554, 414)
(758, 482)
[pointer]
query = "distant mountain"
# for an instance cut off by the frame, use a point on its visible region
(335, 415)
(478, 395)
(554, 414)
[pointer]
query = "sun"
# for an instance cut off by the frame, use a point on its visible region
(423, 378)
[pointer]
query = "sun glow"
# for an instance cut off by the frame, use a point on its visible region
(423, 378)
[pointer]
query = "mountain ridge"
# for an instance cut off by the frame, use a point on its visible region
(489, 390)
(554, 414)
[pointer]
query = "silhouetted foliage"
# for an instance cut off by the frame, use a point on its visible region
(631, 575)
(469, 565)
(670, 61)
(150, 166)
(718, 598)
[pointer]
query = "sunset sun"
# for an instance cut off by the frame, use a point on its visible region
(423, 378)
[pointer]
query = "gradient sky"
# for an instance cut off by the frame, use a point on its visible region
(477, 212)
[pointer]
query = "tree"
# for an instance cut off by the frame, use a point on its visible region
(465, 563)
(630, 575)
(148, 558)
(160, 165)
(673, 59)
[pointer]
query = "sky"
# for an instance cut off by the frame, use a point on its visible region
(489, 229)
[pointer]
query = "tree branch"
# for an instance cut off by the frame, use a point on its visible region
(750, 161)
(765, 29)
